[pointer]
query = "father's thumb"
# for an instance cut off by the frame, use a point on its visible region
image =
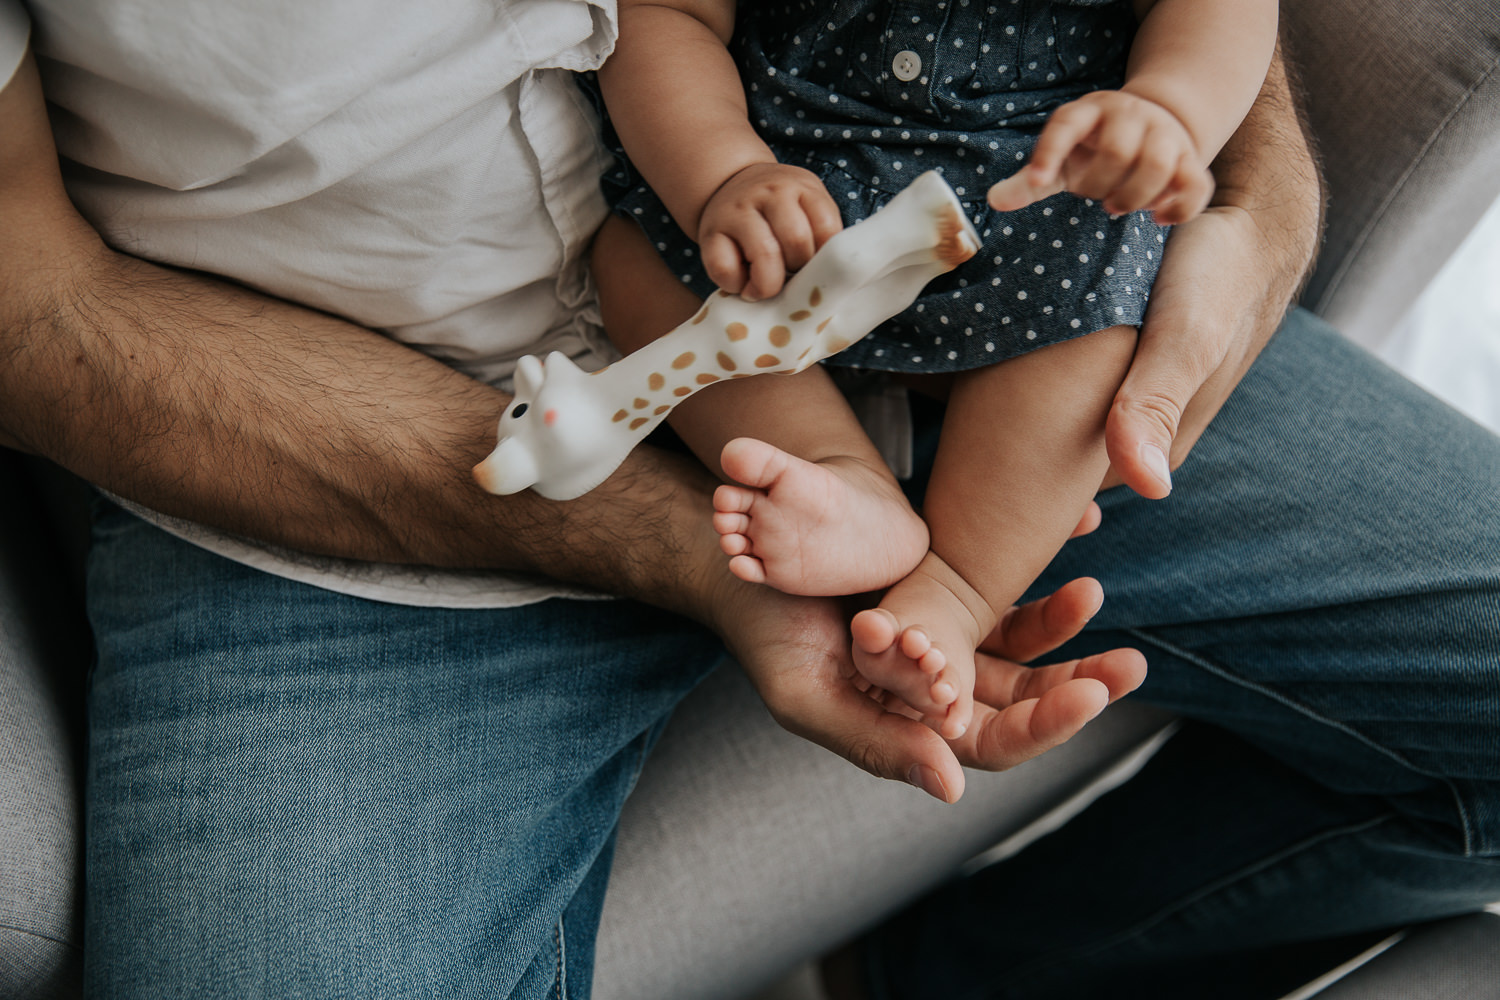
(1138, 434)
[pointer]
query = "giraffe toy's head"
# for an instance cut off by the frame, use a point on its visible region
(549, 435)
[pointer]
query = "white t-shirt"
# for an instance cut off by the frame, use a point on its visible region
(426, 169)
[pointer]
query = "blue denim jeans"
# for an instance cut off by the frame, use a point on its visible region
(1320, 596)
(295, 793)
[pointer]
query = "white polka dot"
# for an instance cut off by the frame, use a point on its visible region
(1083, 258)
(1030, 334)
(979, 307)
(1021, 295)
(1075, 324)
(1039, 269)
(988, 346)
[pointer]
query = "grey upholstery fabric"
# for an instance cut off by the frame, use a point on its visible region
(1403, 98)
(42, 650)
(1456, 959)
(745, 849)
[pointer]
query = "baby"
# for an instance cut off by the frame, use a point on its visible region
(752, 159)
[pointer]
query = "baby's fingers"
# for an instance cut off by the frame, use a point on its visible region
(793, 232)
(759, 255)
(1150, 176)
(1020, 189)
(1191, 188)
(1067, 127)
(723, 263)
(822, 215)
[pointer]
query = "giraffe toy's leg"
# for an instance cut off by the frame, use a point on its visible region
(887, 258)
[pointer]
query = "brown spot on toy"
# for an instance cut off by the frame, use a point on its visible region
(824, 325)
(743, 375)
(656, 381)
(683, 360)
(726, 362)
(681, 390)
(619, 416)
(815, 298)
(737, 331)
(707, 378)
(702, 314)
(661, 409)
(780, 336)
(767, 361)
(838, 344)
(641, 404)
(638, 421)
(805, 352)
(800, 315)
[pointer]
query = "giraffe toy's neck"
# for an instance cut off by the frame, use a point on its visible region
(567, 430)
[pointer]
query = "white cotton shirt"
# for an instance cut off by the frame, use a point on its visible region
(426, 169)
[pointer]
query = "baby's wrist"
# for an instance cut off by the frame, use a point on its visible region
(713, 177)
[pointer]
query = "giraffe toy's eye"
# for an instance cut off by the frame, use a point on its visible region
(519, 411)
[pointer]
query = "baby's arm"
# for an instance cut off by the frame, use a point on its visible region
(676, 101)
(1195, 68)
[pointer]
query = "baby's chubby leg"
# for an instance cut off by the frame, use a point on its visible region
(1021, 456)
(810, 507)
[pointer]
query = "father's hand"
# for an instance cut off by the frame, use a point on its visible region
(1225, 282)
(796, 652)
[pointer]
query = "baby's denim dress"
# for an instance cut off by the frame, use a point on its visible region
(868, 94)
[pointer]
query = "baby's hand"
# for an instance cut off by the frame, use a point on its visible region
(1119, 149)
(765, 221)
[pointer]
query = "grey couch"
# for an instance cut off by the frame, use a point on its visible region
(745, 851)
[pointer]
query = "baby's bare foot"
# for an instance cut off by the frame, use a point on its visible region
(919, 644)
(828, 528)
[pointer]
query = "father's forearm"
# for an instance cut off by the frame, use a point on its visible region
(1269, 169)
(211, 402)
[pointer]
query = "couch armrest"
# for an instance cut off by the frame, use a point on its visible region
(1404, 99)
(1446, 960)
(44, 649)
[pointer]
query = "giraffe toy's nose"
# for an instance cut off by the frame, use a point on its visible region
(508, 469)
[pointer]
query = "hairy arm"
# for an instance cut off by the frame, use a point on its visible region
(205, 400)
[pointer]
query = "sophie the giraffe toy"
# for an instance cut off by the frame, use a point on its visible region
(567, 430)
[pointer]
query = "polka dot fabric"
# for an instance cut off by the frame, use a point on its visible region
(824, 91)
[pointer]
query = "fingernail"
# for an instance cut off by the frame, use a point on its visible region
(1156, 461)
(927, 779)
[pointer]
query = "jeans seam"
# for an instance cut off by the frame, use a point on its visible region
(1304, 710)
(1183, 902)
(559, 939)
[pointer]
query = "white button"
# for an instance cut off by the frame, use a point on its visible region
(906, 65)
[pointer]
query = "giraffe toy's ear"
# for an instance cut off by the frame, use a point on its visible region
(529, 376)
(559, 364)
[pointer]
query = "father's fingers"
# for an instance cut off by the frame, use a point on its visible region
(857, 728)
(1121, 671)
(1091, 520)
(1034, 629)
(1001, 739)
